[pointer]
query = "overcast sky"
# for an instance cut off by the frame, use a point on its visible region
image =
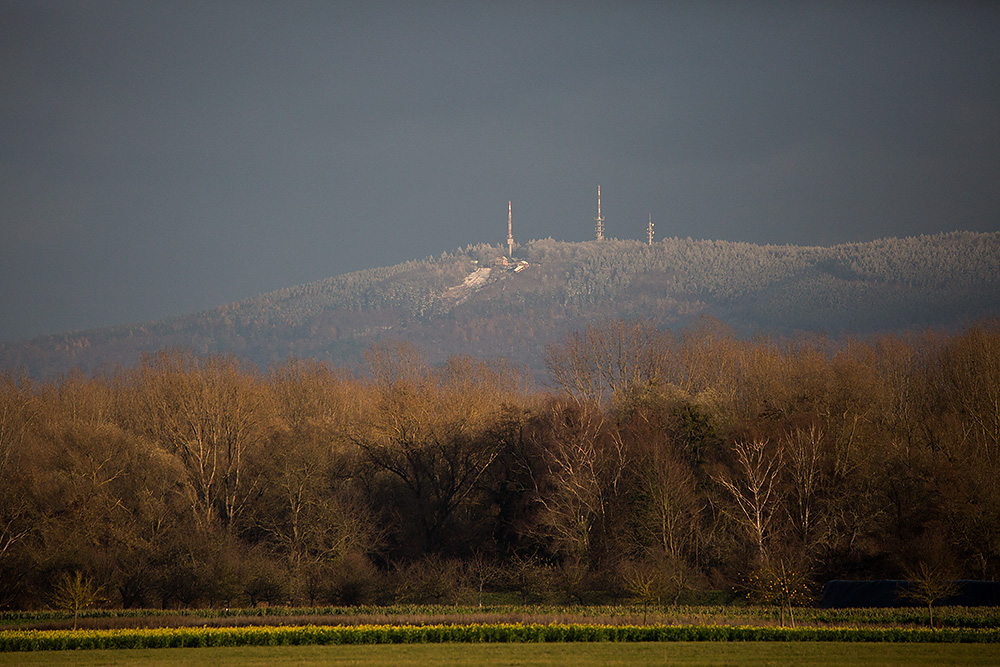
(160, 158)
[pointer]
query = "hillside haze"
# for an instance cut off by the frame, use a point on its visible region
(470, 302)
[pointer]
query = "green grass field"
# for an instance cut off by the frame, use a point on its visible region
(576, 654)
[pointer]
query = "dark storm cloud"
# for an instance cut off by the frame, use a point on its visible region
(160, 158)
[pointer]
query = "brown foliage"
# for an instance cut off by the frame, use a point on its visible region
(197, 480)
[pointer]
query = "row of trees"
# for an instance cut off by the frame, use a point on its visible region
(656, 463)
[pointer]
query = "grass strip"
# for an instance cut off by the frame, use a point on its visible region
(56, 640)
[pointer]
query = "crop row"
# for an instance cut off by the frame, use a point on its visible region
(47, 640)
(954, 616)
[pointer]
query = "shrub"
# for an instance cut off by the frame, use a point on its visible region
(75, 592)
(47, 640)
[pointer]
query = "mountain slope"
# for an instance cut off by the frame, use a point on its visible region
(465, 302)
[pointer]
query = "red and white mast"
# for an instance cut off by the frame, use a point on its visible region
(510, 234)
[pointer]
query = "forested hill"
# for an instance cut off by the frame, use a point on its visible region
(464, 303)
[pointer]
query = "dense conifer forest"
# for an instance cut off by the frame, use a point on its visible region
(660, 462)
(886, 286)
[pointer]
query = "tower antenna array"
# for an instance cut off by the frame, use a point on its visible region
(599, 227)
(649, 229)
(510, 234)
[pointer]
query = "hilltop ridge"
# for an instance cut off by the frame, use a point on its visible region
(466, 302)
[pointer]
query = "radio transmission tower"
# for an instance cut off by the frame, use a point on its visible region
(599, 226)
(649, 229)
(510, 235)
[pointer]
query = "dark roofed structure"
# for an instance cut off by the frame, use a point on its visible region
(841, 593)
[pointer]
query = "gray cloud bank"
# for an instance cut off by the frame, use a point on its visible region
(161, 158)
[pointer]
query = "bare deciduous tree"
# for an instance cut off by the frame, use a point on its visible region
(75, 592)
(211, 414)
(578, 471)
(18, 414)
(803, 450)
(928, 585)
(434, 431)
(753, 489)
(608, 362)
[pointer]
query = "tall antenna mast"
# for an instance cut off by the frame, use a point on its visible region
(599, 227)
(510, 234)
(649, 229)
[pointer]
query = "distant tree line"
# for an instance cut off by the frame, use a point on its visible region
(658, 464)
